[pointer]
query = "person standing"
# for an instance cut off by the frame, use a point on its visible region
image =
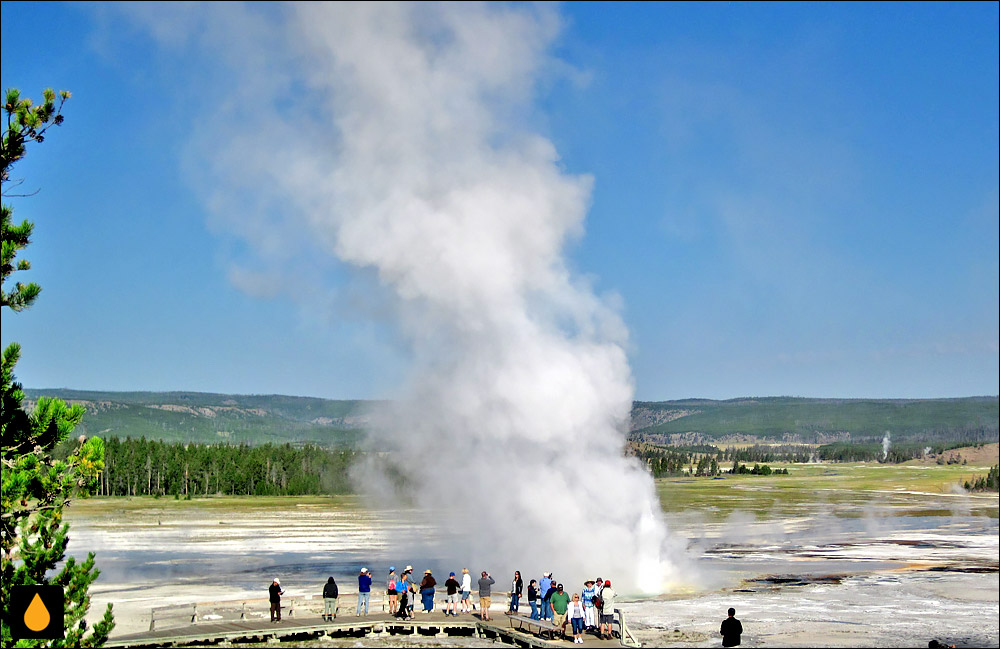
(364, 591)
(607, 610)
(330, 594)
(533, 600)
(485, 582)
(274, 592)
(466, 591)
(516, 588)
(587, 596)
(731, 630)
(599, 604)
(390, 590)
(548, 599)
(412, 586)
(559, 603)
(427, 591)
(451, 587)
(576, 618)
(403, 589)
(544, 586)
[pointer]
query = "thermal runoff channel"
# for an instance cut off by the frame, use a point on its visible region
(511, 426)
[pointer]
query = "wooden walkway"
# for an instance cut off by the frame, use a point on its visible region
(378, 625)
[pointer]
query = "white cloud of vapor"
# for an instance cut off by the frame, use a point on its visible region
(410, 158)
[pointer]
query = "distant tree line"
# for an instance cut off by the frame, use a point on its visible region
(758, 469)
(141, 467)
(873, 452)
(989, 482)
(779, 453)
(703, 460)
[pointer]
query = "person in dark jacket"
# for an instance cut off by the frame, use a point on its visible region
(330, 594)
(731, 630)
(427, 591)
(533, 600)
(516, 589)
(451, 603)
(274, 595)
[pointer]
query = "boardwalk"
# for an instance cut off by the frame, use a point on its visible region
(375, 625)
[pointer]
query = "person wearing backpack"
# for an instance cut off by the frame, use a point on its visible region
(607, 596)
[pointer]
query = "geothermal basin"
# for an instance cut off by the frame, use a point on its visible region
(814, 561)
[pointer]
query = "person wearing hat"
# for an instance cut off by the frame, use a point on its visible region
(466, 591)
(330, 594)
(412, 585)
(451, 603)
(427, 591)
(559, 603)
(607, 611)
(274, 592)
(364, 591)
(587, 595)
(544, 586)
(390, 590)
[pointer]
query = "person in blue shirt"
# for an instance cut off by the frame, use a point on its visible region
(364, 591)
(587, 595)
(543, 591)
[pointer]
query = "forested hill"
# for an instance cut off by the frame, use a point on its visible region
(219, 418)
(259, 419)
(789, 419)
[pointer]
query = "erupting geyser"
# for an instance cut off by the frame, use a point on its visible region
(513, 422)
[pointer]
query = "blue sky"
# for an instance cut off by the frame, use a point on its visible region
(789, 199)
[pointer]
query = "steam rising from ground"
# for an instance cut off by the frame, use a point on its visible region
(512, 425)
(886, 444)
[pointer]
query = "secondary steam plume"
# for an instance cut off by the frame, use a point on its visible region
(512, 425)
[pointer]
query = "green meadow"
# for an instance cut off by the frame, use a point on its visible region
(844, 489)
(847, 490)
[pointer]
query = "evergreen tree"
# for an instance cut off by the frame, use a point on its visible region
(36, 485)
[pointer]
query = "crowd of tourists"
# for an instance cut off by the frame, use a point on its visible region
(591, 609)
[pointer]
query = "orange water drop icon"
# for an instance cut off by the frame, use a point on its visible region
(37, 616)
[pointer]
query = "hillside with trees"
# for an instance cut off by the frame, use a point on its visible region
(817, 421)
(207, 418)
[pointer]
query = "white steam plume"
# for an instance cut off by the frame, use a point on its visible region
(885, 446)
(513, 423)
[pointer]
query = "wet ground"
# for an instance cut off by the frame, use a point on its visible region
(896, 569)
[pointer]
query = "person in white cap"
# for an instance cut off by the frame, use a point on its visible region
(274, 592)
(364, 591)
